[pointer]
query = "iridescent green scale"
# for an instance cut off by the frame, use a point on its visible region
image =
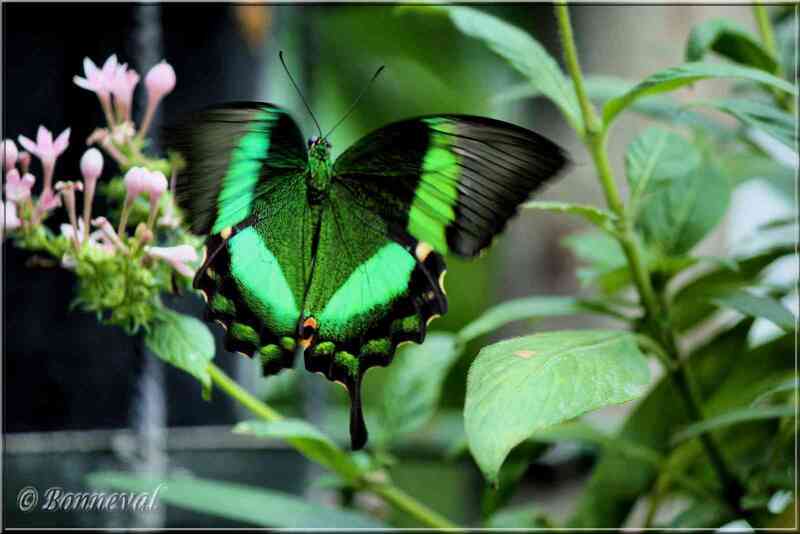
(342, 261)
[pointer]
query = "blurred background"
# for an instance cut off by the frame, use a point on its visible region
(79, 397)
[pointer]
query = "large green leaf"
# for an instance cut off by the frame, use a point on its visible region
(655, 157)
(682, 75)
(310, 440)
(520, 386)
(597, 216)
(184, 342)
(757, 306)
(691, 303)
(619, 480)
(524, 53)
(676, 217)
(728, 39)
(521, 309)
(252, 506)
(414, 383)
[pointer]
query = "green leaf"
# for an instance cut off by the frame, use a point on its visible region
(606, 264)
(731, 418)
(254, 506)
(184, 342)
(520, 386)
(655, 157)
(774, 121)
(519, 517)
(597, 216)
(757, 306)
(521, 309)
(691, 303)
(619, 480)
(310, 440)
(730, 40)
(524, 53)
(791, 384)
(675, 218)
(682, 75)
(414, 383)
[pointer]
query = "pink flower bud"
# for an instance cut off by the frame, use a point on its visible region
(91, 165)
(9, 154)
(135, 182)
(160, 81)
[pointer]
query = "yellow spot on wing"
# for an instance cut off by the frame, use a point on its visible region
(525, 354)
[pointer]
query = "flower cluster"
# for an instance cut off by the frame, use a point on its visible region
(121, 273)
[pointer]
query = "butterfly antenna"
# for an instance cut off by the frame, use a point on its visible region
(353, 107)
(289, 74)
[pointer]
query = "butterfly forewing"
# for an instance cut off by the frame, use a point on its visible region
(451, 181)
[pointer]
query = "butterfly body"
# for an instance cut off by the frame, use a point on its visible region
(341, 261)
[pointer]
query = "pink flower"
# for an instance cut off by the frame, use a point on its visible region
(177, 257)
(18, 189)
(156, 186)
(24, 160)
(8, 213)
(109, 235)
(160, 81)
(99, 81)
(91, 169)
(122, 87)
(48, 201)
(9, 154)
(67, 190)
(47, 150)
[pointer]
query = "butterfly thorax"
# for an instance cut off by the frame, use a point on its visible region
(320, 170)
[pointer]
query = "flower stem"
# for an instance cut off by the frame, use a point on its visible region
(386, 490)
(595, 139)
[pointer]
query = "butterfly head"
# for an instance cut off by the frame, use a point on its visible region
(319, 147)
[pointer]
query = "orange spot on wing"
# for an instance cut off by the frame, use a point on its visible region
(525, 354)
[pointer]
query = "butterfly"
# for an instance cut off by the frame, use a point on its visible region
(343, 260)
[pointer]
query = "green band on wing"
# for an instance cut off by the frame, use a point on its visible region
(437, 191)
(367, 293)
(238, 187)
(261, 281)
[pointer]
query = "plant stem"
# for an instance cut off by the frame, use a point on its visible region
(388, 491)
(768, 39)
(403, 501)
(595, 138)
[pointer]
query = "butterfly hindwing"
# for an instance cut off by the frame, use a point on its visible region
(452, 181)
(368, 293)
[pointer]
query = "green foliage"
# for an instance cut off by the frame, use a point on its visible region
(251, 505)
(184, 342)
(688, 73)
(413, 387)
(730, 40)
(758, 306)
(524, 53)
(306, 437)
(522, 385)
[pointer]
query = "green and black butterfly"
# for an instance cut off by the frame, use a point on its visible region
(343, 260)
